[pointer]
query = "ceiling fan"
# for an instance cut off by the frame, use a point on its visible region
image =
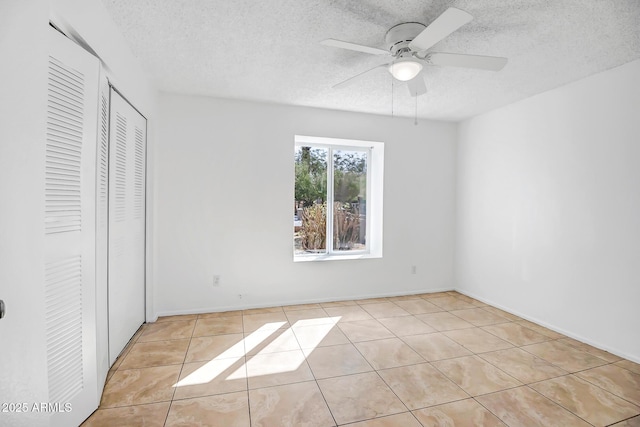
(409, 44)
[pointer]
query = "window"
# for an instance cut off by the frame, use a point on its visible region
(337, 199)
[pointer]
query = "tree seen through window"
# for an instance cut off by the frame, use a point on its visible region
(326, 176)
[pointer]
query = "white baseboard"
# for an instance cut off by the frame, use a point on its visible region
(555, 328)
(295, 302)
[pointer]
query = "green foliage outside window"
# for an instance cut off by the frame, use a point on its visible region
(349, 181)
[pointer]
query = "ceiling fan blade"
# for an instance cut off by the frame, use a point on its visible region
(445, 24)
(351, 80)
(353, 46)
(417, 86)
(491, 63)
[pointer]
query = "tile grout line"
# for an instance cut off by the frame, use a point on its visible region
(474, 397)
(560, 405)
(621, 421)
(528, 385)
(489, 410)
(180, 372)
(428, 362)
(314, 375)
(598, 386)
(380, 376)
(246, 368)
(556, 365)
(476, 354)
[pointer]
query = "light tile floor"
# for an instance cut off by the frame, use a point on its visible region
(440, 359)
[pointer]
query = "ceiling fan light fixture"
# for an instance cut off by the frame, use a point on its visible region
(405, 69)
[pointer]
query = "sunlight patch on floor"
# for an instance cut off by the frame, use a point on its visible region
(272, 359)
(225, 360)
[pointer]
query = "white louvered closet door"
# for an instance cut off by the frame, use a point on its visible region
(127, 154)
(70, 229)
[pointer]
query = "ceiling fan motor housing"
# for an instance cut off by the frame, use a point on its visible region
(399, 37)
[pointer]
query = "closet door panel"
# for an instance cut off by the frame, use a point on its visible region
(126, 223)
(70, 230)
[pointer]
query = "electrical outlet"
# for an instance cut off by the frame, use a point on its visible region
(216, 280)
(240, 296)
(413, 269)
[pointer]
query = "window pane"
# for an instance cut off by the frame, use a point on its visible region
(310, 203)
(349, 200)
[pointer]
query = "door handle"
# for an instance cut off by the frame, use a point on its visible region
(1, 309)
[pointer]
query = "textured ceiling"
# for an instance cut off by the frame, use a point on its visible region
(268, 50)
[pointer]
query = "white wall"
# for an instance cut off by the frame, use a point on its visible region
(23, 91)
(548, 215)
(224, 177)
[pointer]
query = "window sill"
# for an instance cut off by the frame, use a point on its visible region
(334, 257)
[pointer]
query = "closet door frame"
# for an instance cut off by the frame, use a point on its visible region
(102, 232)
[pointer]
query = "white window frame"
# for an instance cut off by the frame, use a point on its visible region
(374, 202)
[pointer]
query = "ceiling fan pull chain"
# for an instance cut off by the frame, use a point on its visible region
(392, 81)
(415, 117)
